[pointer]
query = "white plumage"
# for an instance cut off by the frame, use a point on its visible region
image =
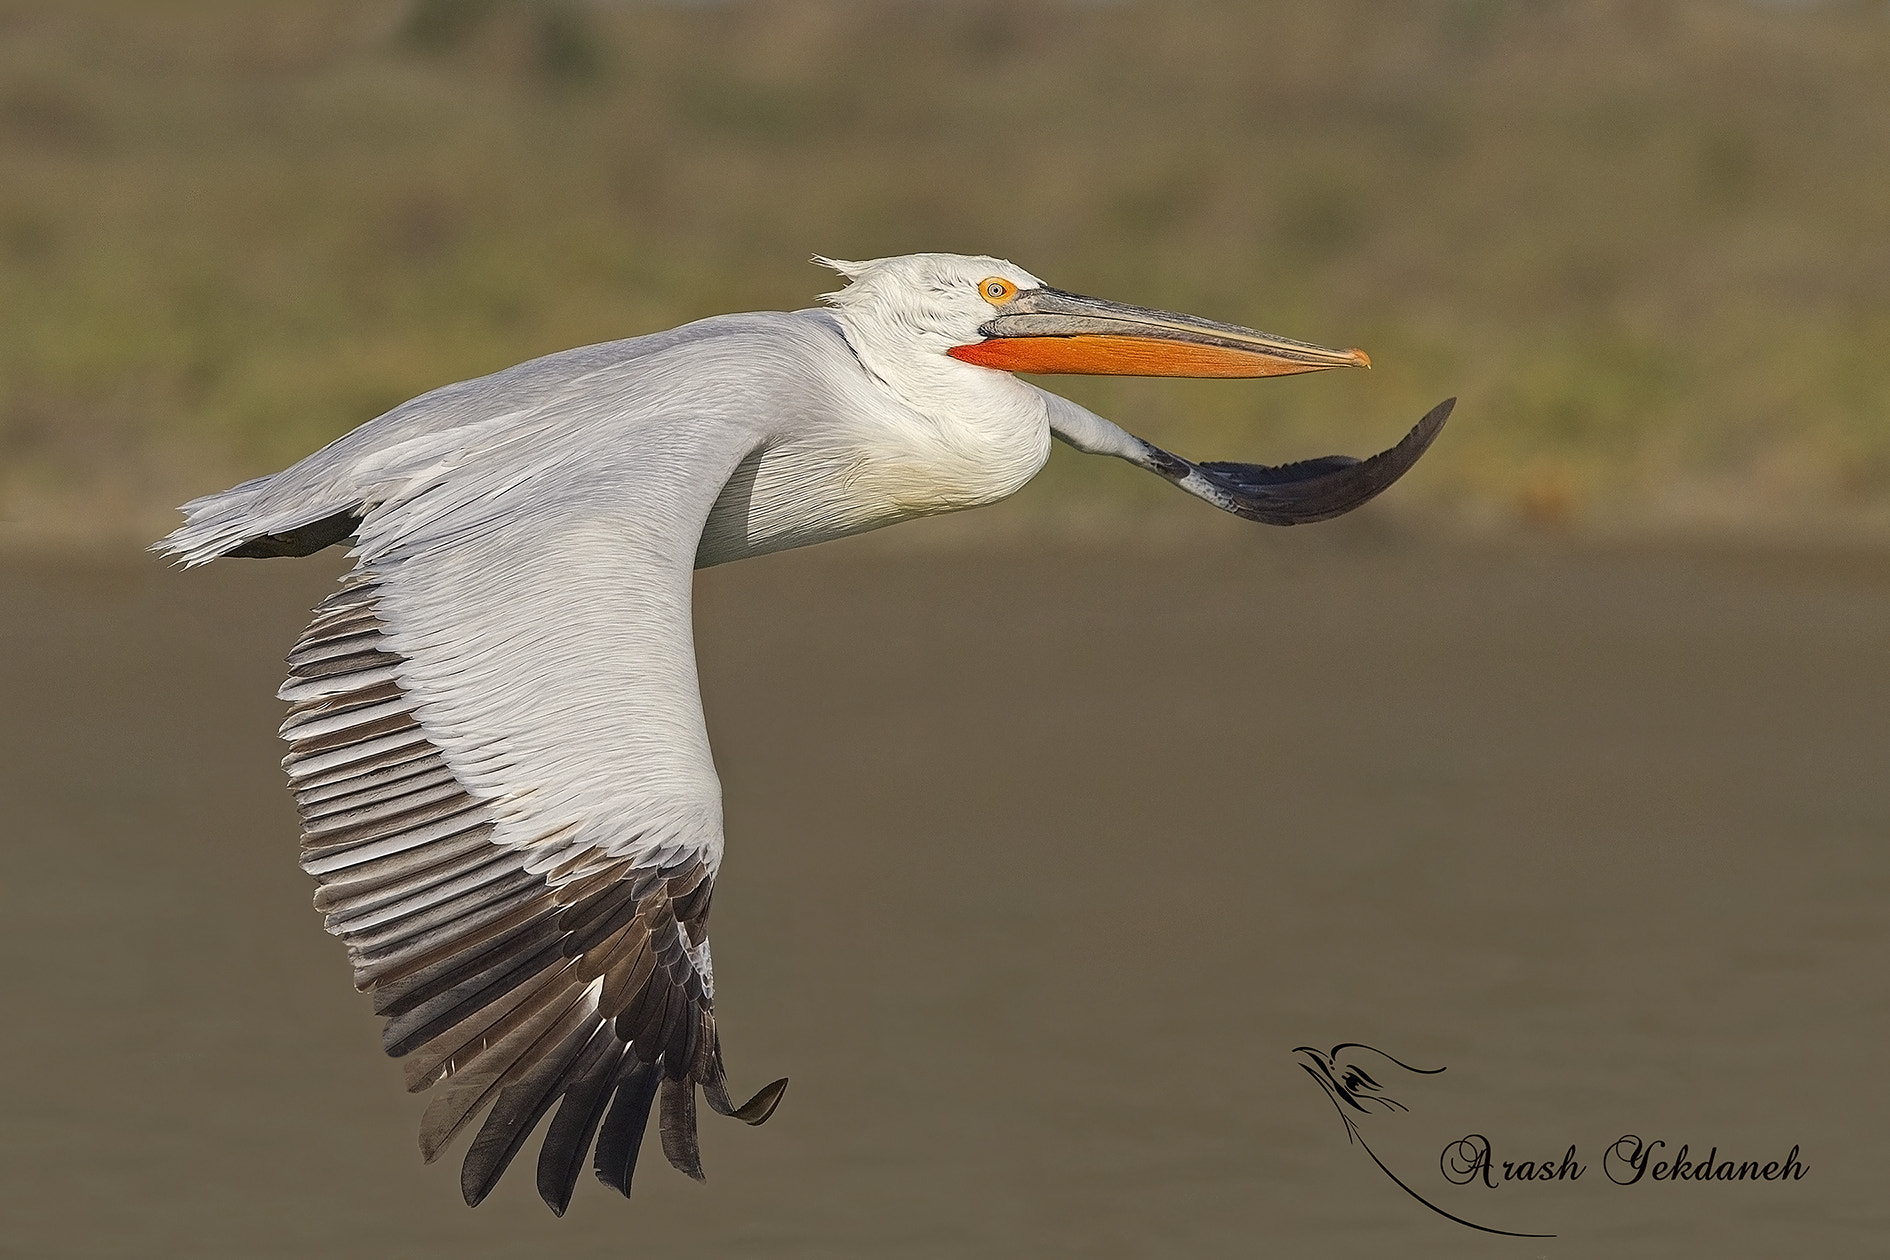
(496, 739)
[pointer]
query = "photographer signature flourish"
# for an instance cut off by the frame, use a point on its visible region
(1348, 1084)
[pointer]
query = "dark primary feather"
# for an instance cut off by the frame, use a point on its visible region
(304, 539)
(586, 1096)
(518, 1110)
(1303, 492)
(622, 1134)
(508, 991)
(678, 1127)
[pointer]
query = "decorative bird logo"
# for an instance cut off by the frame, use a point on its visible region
(1342, 1074)
(496, 741)
(1348, 1084)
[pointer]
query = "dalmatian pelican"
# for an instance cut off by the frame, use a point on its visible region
(496, 741)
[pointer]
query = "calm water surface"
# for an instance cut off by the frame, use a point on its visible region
(1039, 869)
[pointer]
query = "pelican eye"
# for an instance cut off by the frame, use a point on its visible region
(997, 290)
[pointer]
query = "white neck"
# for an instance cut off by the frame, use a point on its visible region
(914, 367)
(981, 428)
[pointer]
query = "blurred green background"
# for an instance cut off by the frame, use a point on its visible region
(1647, 242)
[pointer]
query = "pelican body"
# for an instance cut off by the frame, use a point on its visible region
(496, 740)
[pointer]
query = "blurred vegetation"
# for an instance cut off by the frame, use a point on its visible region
(1648, 243)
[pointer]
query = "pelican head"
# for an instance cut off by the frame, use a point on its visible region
(919, 321)
(994, 314)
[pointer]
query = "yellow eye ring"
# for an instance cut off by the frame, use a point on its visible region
(996, 290)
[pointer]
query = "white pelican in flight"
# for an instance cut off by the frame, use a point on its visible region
(496, 741)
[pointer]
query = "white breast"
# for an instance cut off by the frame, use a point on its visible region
(866, 455)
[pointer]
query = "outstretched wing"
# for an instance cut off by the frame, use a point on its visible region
(1282, 494)
(506, 792)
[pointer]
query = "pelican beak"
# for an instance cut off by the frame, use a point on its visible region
(1048, 330)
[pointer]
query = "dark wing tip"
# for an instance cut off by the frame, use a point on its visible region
(622, 1132)
(1249, 476)
(1318, 489)
(676, 1126)
(522, 1104)
(303, 540)
(568, 1141)
(757, 1109)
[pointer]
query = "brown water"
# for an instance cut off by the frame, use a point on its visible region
(1039, 869)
